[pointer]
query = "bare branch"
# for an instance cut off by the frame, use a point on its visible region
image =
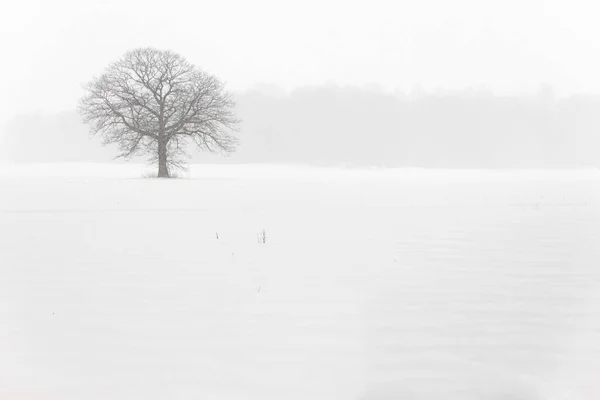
(152, 102)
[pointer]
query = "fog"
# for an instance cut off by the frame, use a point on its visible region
(467, 83)
(338, 125)
(413, 211)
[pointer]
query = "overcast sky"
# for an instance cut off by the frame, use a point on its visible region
(49, 48)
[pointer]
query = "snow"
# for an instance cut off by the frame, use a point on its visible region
(372, 284)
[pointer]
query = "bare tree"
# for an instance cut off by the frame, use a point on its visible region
(155, 102)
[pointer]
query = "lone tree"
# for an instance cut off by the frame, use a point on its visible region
(155, 102)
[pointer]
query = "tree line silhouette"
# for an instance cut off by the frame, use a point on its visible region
(333, 125)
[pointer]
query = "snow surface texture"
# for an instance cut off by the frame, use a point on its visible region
(371, 284)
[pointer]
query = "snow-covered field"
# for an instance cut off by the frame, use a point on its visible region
(372, 284)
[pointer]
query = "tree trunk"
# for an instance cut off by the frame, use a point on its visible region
(163, 168)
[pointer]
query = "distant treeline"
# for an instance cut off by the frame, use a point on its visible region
(334, 125)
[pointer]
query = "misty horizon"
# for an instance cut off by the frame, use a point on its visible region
(436, 70)
(364, 127)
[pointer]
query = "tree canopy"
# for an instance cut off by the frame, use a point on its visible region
(154, 102)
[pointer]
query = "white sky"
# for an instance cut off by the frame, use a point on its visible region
(50, 47)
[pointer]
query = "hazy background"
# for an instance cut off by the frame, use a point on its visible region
(431, 83)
